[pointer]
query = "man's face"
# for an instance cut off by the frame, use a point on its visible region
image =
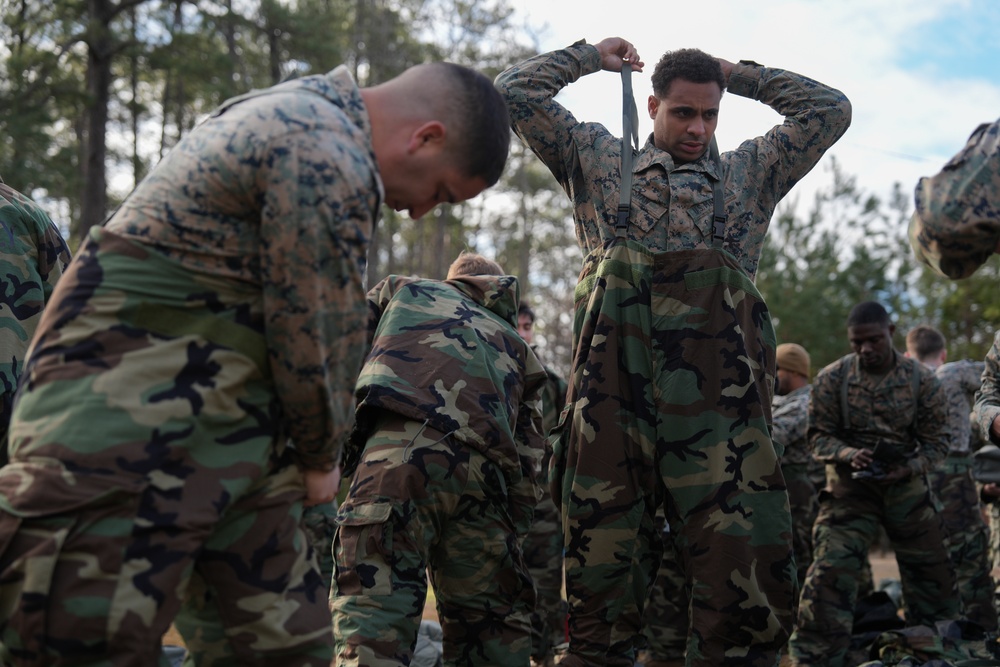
(684, 121)
(784, 385)
(526, 327)
(423, 184)
(873, 345)
(418, 172)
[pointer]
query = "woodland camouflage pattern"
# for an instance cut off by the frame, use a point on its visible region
(790, 430)
(213, 318)
(543, 545)
(658, 307)
(449, 427)
(33, 255)
(956, 221)
(851, 510)
(968, 541)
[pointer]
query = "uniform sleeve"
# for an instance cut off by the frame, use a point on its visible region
(931, 431)
(816, 116)
(987, 406)
(825, 419)
(790, 423)
(956, 221)
(318, 213)
(544, 125)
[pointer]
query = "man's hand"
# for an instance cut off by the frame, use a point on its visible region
(991, 491)
(995, 429)
(321, 486)
(615, 51)
(897, 473)
(860, 459)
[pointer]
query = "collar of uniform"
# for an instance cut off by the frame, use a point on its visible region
(651, 155)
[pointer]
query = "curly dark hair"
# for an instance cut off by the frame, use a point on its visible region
(692, 65)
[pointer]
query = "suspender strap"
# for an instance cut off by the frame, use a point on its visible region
(630, 144)
(718, 197)
(845, 367)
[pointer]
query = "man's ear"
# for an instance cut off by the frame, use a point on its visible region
(431, 133)
(652, 104)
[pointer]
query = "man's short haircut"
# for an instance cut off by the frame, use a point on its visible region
(473, 264)
(524, 309)
(924, 341)
(868, 312)
(478, 120)
(692, 65)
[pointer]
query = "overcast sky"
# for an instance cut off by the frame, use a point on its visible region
(920, 74)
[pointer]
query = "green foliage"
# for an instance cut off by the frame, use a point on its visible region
(853, 247)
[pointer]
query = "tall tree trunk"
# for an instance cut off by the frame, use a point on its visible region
(137, 167)
(94, 198)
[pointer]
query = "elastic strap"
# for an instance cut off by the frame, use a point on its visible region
(719, 213)
(630, 144)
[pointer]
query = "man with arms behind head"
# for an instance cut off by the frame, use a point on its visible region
(448, 441)
(672, 380)
(192, 380)
(879, 421)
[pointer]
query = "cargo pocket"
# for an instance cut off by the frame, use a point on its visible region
(362, 550)
(62, 548)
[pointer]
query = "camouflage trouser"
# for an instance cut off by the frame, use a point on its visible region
(670, 399)
(543, 554)
(994, 536)
(146, 478)
(849, 515)
(666, 617)
(320, 524)
(423, 503)
(804, 503)
(968, 541)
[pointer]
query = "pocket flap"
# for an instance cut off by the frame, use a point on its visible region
(365, 514)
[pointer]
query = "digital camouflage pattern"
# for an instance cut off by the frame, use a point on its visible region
(952, 483)
(33, 255)
(879, 408)
(985, 409)
(449, 433)
(672, 204)
(543, 545)
(961, 380)
(790, 430)
(956, 220)
(655, 415)
(214, 317)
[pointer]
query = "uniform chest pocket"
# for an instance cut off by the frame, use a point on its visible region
(649, 205)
